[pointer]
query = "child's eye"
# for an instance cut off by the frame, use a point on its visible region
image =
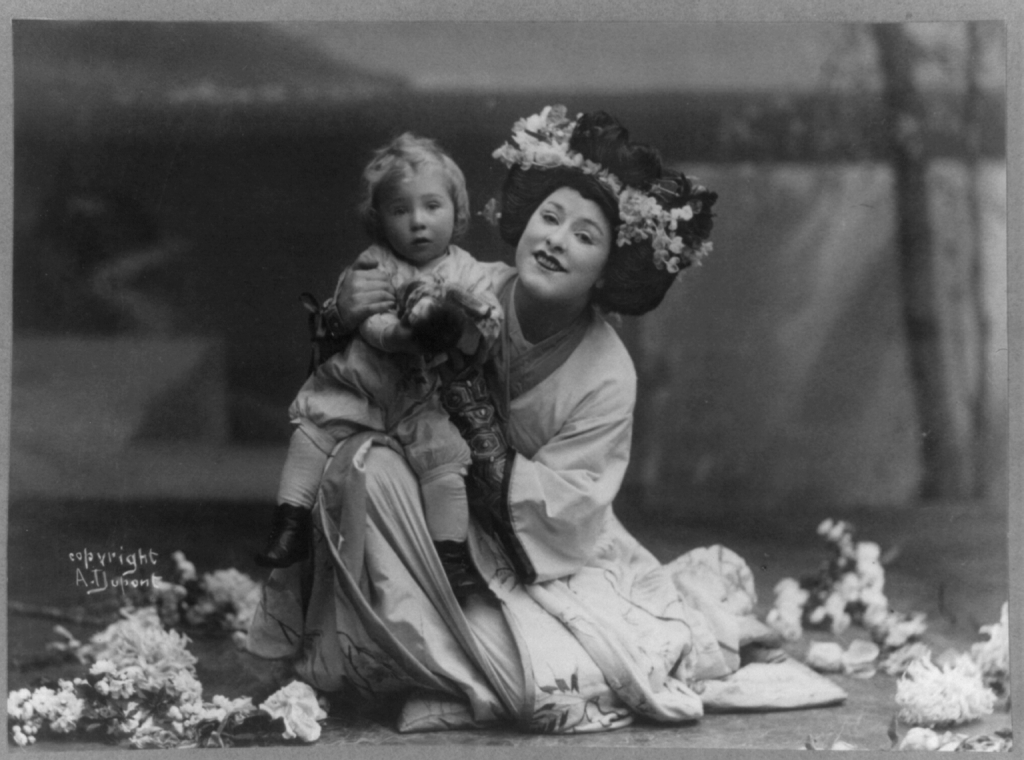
(585, 238)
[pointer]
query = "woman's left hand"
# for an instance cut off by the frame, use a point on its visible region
(365, 290)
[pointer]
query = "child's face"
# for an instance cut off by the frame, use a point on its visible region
(418, 215)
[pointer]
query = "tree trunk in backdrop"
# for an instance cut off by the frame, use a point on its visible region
(981, 410)
(946, 391)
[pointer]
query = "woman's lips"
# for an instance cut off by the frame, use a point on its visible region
(544, 261)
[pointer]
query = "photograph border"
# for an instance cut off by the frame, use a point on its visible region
(466, 11)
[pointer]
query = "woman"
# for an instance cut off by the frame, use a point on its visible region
(576, 626)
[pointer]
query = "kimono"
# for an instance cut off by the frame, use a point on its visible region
(583, 629)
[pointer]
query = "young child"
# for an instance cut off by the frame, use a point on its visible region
(415, 203)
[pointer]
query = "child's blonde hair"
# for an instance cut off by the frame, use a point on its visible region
(400, 159)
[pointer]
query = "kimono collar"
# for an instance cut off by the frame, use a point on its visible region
(523, 365)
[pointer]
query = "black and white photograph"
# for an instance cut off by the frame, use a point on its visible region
(679, 358)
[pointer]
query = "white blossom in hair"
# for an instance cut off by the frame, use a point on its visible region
(541, 141)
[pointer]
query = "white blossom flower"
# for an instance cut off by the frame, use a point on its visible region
(150, 735)
(919, 738)
(66, 710)
(895, 663)
(932, 695)
(19, 706)
(507, 154)
(44, 701)
(235, 592)
(546, 156)
(786, 586)
(786, 614)
(868, 556)
(859, 659)
(833, 530)
(875, 615)
(786, 625)
(835, 608)
(297, 704)
(993, 656)
(221, 707)
(240, 704)
(19, 736)
(537, 121)
(684, 212)
(186, 571)
(849, 587)
(826, 656)
(873, 596)
(899, 629)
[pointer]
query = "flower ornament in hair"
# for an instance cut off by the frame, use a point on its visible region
(670, 211)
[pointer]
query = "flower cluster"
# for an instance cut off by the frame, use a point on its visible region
(858, 660)
(943, 695)
(925, 739)
(29, 712)
(849, 589)
(217, 602)
(542, 141)
(142, 689)
(297, 705)
(787, 614)
(234, 597)
(993, 656)
(896, 662)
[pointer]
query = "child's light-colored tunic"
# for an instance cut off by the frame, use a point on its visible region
(365, 388)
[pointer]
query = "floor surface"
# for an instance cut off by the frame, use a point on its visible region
(947, 561)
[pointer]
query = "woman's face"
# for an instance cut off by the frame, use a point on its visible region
(562, 252)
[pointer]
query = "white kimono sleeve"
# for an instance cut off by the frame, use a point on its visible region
(558, 500)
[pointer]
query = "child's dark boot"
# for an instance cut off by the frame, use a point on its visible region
(462, 576)
(290, 537)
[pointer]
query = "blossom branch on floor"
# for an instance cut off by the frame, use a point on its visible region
(223, 601)
(847, 590)
(141, 687)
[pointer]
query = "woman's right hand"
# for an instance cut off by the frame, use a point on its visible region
(365, 290)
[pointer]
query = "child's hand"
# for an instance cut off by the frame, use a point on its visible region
(422, 312)
(399, 339)
(436, 325)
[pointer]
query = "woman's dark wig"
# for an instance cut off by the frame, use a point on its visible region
(631, 283)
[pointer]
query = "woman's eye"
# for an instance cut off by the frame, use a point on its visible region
(550, 218)
(585, 238)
